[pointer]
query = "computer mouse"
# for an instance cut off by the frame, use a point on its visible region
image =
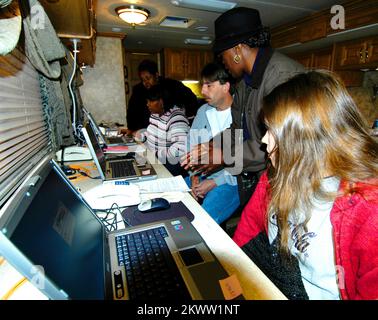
(153, 205)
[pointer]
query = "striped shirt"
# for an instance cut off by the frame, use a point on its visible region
(167, 134)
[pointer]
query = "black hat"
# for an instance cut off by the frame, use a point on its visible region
(235, 26)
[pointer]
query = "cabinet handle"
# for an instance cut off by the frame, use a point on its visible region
(366, 55)
(361, 57)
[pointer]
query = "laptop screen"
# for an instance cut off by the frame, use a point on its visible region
(94, 125)
(60, 233)
(100, 155)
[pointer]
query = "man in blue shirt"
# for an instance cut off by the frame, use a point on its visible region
(219, 191)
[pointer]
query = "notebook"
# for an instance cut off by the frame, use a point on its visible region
(49, 227)
(108, 141)
(117, 167)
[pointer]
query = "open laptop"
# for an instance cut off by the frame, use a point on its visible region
(117, 167)
(108, 141)
(49, 227)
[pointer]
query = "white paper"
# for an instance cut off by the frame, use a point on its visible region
(173, 184)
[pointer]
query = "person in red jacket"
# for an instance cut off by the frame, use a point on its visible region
(312, 223)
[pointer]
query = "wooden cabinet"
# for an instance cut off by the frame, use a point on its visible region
(357, 54)
(206, 57)
(304, 58)
(75, 19)
(323, 59)
(358, 13)
(182, 64)
(285, 35)
(314, 27)
(319, 59)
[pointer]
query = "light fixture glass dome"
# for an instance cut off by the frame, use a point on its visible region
(132, 14)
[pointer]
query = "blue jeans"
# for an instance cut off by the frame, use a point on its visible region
(220, 202)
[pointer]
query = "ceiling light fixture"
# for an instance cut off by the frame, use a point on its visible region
(208, 5)
(133, 14)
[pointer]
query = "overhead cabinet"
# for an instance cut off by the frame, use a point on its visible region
(325, 59)
(319, 59)
(75, 19)
(357, 13)
(362, 53)
(183, 64)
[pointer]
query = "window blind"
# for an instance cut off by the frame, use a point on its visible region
(24, 138)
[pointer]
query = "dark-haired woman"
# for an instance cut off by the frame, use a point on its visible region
(168, 129)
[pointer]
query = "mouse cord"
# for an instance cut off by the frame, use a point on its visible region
(110, 218)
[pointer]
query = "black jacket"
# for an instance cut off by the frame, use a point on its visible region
(273, 69)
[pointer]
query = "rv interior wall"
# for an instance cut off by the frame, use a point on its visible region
(103, 92)
(364, 96)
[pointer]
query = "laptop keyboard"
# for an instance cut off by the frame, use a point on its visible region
(115, 139)
(150, 269)
(122, 168)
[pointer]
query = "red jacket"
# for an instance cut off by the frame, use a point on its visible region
(354, 219)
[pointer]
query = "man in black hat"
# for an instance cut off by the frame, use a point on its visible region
(243, 44)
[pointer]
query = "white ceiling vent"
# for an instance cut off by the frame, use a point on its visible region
(176, 22)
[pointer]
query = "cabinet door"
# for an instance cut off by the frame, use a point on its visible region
(358, 13)
(323, 59)
(207, 57)
(174, 60)
(371, 53)
(351, 54)
(304, 58)
(314, 28)
(285, 35)
(192, 65)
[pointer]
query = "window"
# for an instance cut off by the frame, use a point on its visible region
(24, 137)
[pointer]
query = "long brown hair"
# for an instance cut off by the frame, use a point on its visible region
(318, 131)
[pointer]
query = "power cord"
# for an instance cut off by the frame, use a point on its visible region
(70, 171)
(75, 51)
(109, 216)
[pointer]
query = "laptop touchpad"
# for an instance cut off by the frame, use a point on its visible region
(190, 256)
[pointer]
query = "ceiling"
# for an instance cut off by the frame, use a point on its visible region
(151, 37)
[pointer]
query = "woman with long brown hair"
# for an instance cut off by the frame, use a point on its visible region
(312, 224)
